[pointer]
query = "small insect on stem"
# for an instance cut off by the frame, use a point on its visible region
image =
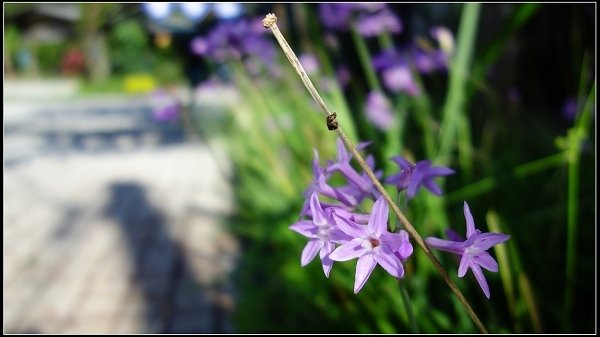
(332, 124)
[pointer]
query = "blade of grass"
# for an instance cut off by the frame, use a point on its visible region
(458, 76)
(576, 136)
(493, 221)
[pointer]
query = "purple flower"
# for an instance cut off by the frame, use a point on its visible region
(343, 75)
(413, 176)
(309, 63)
(371, 244)
(369, 25)
(473, 250)
(166, 106)
(570, 108)
(359, 193)
(379, 110)
(323, 233)
(388, 58)
(319, 185)
(399, 78)
(360, 185)
(200, 46)
(339, 15)
(235, 40)
(444, 38)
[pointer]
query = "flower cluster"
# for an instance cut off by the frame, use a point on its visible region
(337, 231)
(370, 19)
(241, 40)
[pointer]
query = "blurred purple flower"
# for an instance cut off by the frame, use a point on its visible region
(339, 15)
(166, 107)
(200, 46)
(426, 62)
(343, 75)
(513, 95)
(473, 250)
(309, 63)
(388, 58)
(444, 38)
(371, 244)
(399, 78)
(235, 40)
(570, 108)
(413, 176)
(369, 25)
(379, 111)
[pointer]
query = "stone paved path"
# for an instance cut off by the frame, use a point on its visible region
(113, 223)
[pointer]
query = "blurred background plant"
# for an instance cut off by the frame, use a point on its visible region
(502, 93)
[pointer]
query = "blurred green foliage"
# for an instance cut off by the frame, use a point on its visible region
(129, 47)
(50, 56)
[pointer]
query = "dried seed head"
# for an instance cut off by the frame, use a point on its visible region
(269, 20)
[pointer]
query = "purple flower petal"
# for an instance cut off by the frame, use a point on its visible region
(390, 263)
(402, 162)
(486, 240)
(469, 219)
(393, 179)
(349, 227)
(342, 154)
(379, 217)
(445, 245)
(364, 267)
(464, 265)
(437, 171)
(392, 240)
(406, 249)
(316, 211)
(310, 251)
(432, 186)
(304, 227)
(325, 260)
(486, 261)
(349, 251)
(481, 279)
(453, 236)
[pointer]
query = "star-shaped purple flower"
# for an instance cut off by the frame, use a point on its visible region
(319, 185)
(371, 244)
(323, 233)
(412, 176)
(473, 250)
(359, 186)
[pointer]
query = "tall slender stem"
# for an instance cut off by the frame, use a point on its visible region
(270, 22)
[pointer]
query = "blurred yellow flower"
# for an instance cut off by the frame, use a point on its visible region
(139, 83)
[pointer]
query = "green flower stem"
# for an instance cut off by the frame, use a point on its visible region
(406, 300)
(270, 22)
(459, 69)
(385, 40)
(365, 59)
(576, 136)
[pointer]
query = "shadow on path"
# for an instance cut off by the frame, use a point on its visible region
(174, 301)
